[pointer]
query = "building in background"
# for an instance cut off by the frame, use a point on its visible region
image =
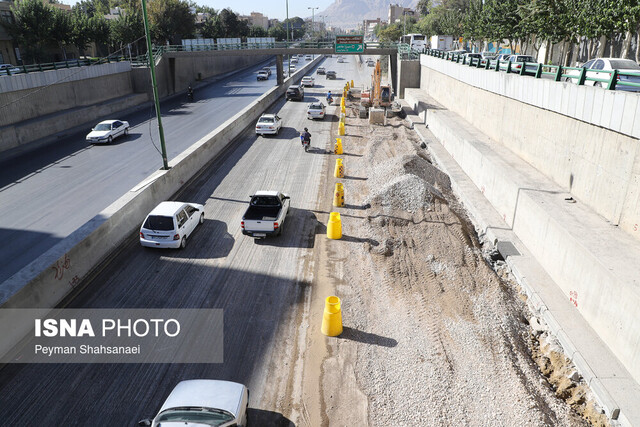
(368, 27)
(397, 12)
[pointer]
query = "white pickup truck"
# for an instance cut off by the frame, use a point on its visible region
(266, 214)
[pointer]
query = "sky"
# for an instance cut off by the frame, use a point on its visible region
(270, 8)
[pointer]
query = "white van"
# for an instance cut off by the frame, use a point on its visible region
(169, 224)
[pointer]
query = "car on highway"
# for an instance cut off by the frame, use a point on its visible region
(601, 68)
(266, 214)
(203, 403)
(320, 70)
(108, 130)
(316, 110)
(340, 60)
(503, 56)
(267, 69)
(308, 58)
(294, 60)
(268, 124)
(170, 224)
(6, 69)
(370, 63)
(331, 75)
(292, 68)
(295, 93)
(307, 81)
(262, 75)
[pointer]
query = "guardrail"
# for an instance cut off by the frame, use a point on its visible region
(614, 79)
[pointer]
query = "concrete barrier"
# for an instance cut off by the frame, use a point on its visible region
(599, 166)
(47, 280)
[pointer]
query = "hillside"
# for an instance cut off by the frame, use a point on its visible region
(349, 13)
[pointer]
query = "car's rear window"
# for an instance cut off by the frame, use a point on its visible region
(315, 107)
(160, 223)
(618, 64)
(265, 120)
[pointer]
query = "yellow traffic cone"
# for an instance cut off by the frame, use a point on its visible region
(338, 195)
(338, 146)
(332, 317)
(334, 226)
(338, 171)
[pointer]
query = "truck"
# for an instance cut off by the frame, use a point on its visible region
(441, 42)
(265, 215)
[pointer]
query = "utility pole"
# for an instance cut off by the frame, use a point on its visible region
(288, 56)
(152, 66)
(313, 28)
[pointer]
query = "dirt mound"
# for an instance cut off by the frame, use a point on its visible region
(422, 168)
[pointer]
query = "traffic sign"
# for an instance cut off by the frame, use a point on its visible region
(349, 44)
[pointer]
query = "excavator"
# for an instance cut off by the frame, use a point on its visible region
(378, 96)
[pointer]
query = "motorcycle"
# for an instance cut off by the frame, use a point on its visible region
(329, 100)
(190, 95)
(305, 139)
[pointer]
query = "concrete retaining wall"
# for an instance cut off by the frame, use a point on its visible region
(47, 280)
(599, 166)
(408, 76)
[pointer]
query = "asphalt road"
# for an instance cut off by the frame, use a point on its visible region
(264, 288)
(48, 193)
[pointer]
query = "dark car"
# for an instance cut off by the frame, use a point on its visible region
(295, 93)
(331, 75)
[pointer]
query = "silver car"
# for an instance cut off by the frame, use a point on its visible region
(107, 131)
(203, 403)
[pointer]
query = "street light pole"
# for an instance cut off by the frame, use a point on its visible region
(288, 56)
(152, 67)
(313, 28)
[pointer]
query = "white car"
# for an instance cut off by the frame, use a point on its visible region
(307, 81)
(107, 131)
(268, 124)
(601, 68)
(8, 69)
(169, 224)
(262, 75)
(316, 110)
(203, 403)
(294, 60)
(308, 58)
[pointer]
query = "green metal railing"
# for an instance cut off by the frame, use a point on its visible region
(613, 80)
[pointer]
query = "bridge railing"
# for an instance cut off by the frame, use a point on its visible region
(158, 51)
(608, 79)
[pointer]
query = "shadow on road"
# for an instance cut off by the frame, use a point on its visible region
(260, 417)
(366, 337)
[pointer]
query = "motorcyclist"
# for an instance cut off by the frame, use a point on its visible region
(190, 93)
(305, 138)
(329, 97)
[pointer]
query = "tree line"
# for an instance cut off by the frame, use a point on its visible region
(563, 24)
(39, 27)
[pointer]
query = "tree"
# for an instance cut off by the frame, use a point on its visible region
(127, 29)
(33, 21)
(424, 7)
(170, 18)
(278, 32)
(61, 29)
(391, 33)
(256, 31)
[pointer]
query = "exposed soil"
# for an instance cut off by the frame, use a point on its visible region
(435, 332)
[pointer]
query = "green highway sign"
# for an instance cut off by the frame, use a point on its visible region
(349, 44)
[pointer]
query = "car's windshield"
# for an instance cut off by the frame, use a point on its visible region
(622, 64)
(103, 126)
(265, 120)
(160, 223)
(265, 201)
(198, 416)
